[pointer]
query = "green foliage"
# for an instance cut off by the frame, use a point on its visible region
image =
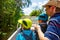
(10, 12)
(36, 12)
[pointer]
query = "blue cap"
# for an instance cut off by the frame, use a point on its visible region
(43, 17)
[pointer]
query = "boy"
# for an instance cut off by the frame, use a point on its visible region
(42, 20)
(26, 33)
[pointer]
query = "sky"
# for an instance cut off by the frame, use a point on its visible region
(35, 3)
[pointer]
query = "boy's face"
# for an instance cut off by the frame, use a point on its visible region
(40, 21)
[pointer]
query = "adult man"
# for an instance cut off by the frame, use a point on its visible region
(53, 30)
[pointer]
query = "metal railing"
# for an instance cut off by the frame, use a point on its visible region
(13, 36)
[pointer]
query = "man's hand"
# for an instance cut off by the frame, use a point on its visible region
(40, 33)
(36, 26)
(32, 28)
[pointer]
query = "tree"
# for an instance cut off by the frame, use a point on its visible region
(36, 12)
(10, 12)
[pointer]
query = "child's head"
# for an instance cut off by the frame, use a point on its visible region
(42, 18)
(26, 23)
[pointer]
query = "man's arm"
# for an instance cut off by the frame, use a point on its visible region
(51, 32)
(40, 33)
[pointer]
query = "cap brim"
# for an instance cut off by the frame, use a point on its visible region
(20, 21)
